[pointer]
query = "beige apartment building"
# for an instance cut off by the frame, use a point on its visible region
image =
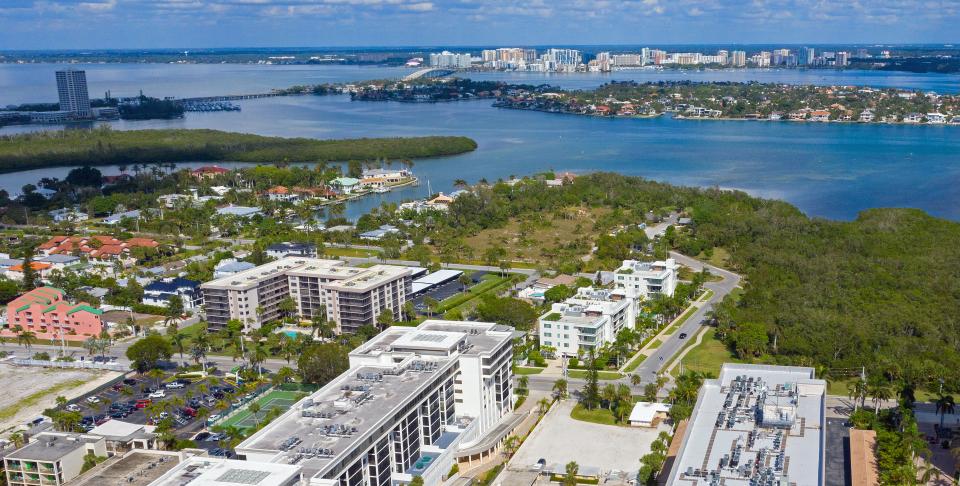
(315, 285)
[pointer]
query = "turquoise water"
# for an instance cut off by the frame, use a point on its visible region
(829, 170)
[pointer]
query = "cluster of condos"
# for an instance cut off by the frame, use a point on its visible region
(414, 402)
(594, 316)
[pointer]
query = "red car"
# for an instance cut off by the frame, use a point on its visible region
(143, 403)
(189, 411)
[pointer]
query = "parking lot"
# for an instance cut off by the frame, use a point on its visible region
(445, 291)
(145, 400)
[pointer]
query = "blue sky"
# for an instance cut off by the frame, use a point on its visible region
(49, 24)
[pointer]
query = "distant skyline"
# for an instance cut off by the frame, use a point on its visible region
(100, 24)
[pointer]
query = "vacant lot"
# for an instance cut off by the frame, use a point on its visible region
(547, 236)
(559, 439)
(28, 390)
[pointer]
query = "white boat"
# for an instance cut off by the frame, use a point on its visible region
(381, 190)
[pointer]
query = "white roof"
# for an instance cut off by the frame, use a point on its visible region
(439, 276)
(118, 428)
(646, 411)
(436, 340)
(209, 471)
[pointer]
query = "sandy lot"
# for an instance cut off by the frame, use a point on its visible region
(28, 390)
(560, 439)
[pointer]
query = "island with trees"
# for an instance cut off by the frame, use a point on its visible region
(104, 146)
(744, 101)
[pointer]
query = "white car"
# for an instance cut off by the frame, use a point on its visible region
(158, 394)
(174, 385)
(164, 415)
(73, 407)
(93, 400)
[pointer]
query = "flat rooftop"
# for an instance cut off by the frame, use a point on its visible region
(137, 468)
(50, 447)
(249, 278)
(386, 373)
(371, 278)
(208, 471)
(755, 425)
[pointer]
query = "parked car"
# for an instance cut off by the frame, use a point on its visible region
(73, 407)
(189, 412)
(93, 399)
(143, 403)
(175, 385)
(129, 381)
(202, 436)
(158, 394)
(213, 418)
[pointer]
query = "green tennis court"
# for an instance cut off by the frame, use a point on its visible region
(276, 399)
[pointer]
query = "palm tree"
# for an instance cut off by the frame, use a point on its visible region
(255, 410)
(560, 388)
(156, 375)
(18, 439)
(635, 379)
(609, 395)
(179, 341)
(945, 405)
(928, 472)
(858, 393)
(879, 390)
(543, 405)
(510, 445)
(571, 478)
(257, 355)
(26, 338)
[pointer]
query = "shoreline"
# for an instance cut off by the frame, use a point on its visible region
(686, 118)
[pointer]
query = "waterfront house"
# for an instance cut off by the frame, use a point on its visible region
(390, 176)
(345, 185)
(46, 312)
(281, 194)
(94, 247)
(208, 172)
(819, 116)
(936, 118)
(912, 118)
(867, 116)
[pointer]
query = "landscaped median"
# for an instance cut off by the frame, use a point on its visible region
(601, 375)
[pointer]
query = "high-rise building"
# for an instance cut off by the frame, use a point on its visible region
(842, 58)
(644, 56)
(449, 59)
(413, 401)
(738, 58)
(72, 90)
(806, 56)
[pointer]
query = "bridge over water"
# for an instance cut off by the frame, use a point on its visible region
(432, 72)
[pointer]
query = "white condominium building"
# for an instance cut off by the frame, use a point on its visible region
(643, 280)
(588, 320)
(254, 296)
(411, 399)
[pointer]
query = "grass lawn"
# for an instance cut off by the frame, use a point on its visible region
(602, 375)
(489, 282)
(348, 252)
(706, 296)
(598, 415)
(708, 356)
(655, 344)
(719, 258)
(524, 370)
(637, 361)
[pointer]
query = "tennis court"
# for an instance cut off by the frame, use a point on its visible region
(276, 399)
